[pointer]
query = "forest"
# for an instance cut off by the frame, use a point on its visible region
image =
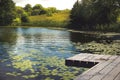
(96, 15)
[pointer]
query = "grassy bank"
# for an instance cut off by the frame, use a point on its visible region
(55, 20)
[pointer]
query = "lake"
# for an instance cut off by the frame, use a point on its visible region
(40, 53)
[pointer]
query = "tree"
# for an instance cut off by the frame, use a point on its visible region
(24, 17)
(7, 12)
(51, 10)
(37, 9)
(28, 8)
(22, 14)
(89, 13)
(19, 11)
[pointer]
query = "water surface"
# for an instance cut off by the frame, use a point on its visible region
(40, 53)
(36, 54)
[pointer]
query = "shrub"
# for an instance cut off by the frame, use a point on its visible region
(16, 21)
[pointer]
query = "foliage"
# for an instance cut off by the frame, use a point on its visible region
(19, 11)
(19, 15)
(38, 6)
(7, 12)
(22, 14)
(24, 17)
(89, 13)
(50, 11)
(28, 8)
(111, 27)
(37, 9)
(16, 21)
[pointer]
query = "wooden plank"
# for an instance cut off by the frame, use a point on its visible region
(91, 72)
(106, 70)
(112, 75)
(79, 57)
(117, 77)
(89, 57)
(107, 65)
(97, 58)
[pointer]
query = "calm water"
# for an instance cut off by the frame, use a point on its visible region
(36, 54)
(39, 53)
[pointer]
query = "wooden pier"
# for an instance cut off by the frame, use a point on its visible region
(102, 67)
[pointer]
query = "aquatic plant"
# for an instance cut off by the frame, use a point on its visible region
(48, 78)
(100, 48)
(42, 65)
(23, 65)
(13, 73)
(30, 76)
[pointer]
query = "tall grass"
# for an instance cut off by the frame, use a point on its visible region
(55, 20)
(111, 27)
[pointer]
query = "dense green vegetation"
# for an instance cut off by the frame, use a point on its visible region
(31, 16)
(45, 17)
(95, 15)
(59, 19)
(7, 12)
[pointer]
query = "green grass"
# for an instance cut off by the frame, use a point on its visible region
(55, 20)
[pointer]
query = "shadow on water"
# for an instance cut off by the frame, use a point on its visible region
(7, 40)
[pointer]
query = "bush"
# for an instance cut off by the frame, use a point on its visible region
(16, 22)
(25, 18)
(111, 27)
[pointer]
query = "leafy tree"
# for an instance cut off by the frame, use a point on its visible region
(28, 8)
(36, 12)
(25, 18)
(37, 9)
(88, 13)
(52, 9)
(108, 9)
(7, 12)
(19, 11)
(22, 14)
